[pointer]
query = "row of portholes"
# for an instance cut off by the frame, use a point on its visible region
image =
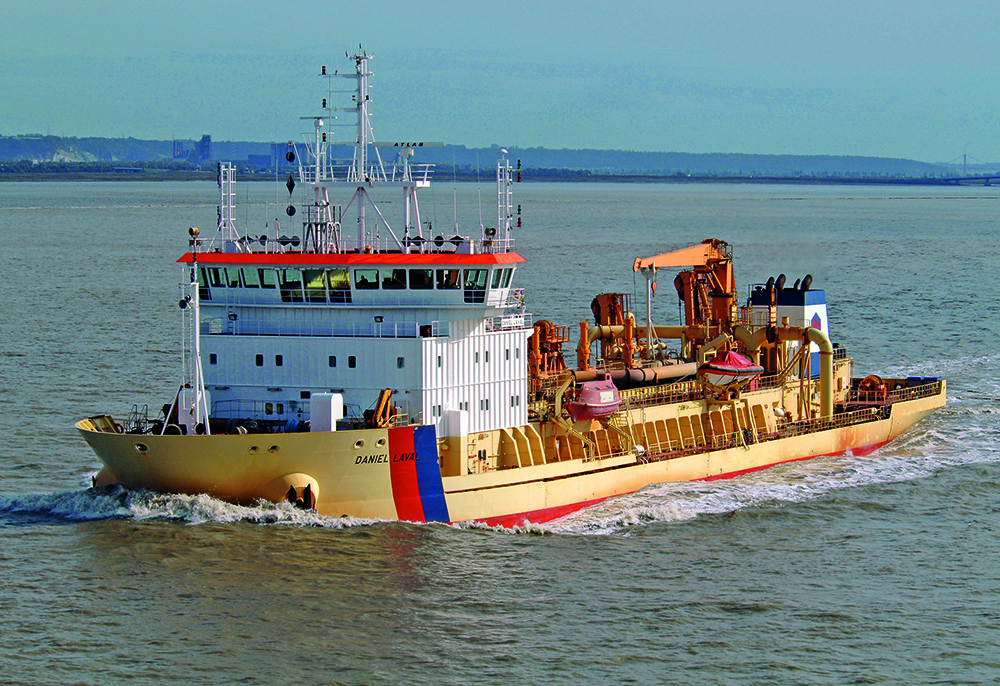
(360, 443)
(143, 449)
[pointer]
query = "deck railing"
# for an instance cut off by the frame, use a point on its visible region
(747, 436)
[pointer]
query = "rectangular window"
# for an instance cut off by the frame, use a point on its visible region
(439, 361)
(476, 358)
(475, 279)
(506, 355)
(497, 275)
(475, 285)
(487, 359)
(339, 284)
(212, 359)
(259, 360)
(449, 279)
(214, 277)
(268, 278)
(366, 279)
(400, 362)
(507, 273)
(305, 395)
(233, 277)
(251, 278)
(268, 408)
(333, 360)
(278, 360)
(352, 361)
(314, 281)
(393, 279)
(421, 279)
(204, 292)
(290, 283)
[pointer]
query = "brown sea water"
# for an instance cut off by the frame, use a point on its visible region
(877, 570)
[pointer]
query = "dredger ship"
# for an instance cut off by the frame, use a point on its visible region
(368, 368)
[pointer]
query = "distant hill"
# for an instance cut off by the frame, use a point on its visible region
(32, 149)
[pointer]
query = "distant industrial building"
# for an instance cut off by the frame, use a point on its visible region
(191, 151)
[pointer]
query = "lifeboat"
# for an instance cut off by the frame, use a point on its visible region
(595, 399)
(729, 370)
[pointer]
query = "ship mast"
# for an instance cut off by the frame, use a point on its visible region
(505, 206)
(363, 173)
(191, 405)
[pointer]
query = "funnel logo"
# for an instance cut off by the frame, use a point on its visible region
(816, 322)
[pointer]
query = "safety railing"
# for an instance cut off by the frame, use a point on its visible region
(344, 242)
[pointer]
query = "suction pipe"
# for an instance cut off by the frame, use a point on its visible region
(811, 335)
(825, 369)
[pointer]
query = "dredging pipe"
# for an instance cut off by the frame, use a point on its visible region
(807, 335)
(644, 376)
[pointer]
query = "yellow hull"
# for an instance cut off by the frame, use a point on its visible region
(395, 474)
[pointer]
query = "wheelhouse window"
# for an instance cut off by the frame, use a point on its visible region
(421, 279)
(314, 281)
(393, 279)
(290, 283)
(366, 279)
(214, 277)
(204, 292)
(501, 278)
(339, 283)
(233, 277)
(475, 285)
(268, 278)
(251, 278)
(449, 279)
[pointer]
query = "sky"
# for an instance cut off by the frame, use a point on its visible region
(884, 78)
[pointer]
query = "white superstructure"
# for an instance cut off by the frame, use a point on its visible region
(353, 304)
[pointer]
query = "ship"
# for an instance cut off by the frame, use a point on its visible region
(373, 368)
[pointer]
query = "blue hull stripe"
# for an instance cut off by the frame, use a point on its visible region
(429, 474)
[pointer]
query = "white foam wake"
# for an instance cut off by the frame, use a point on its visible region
(917, 455)
(116, 502)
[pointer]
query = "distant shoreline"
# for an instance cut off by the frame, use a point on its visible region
(569, 176)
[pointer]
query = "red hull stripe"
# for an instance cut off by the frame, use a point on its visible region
(860, 452)
(341, 259)
(537, 516)
(403, 472)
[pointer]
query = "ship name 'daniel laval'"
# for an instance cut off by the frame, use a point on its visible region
(340, 336)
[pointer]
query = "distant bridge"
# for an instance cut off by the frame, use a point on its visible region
(984, 180)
